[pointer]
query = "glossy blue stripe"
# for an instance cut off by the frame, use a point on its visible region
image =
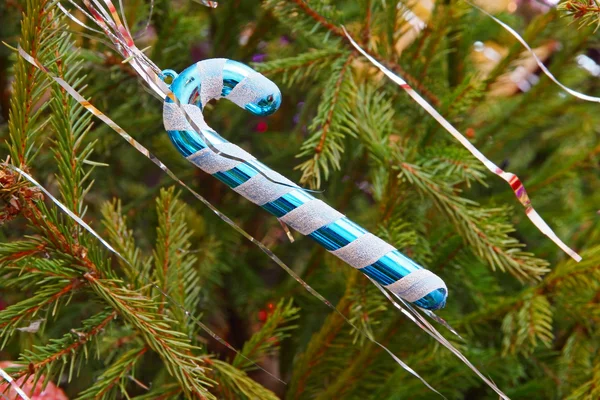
(236, 175)
(287, 203)
(391, 267)
(337, 234)
(377, 275)
(233, 73)
(281, 206)
(187, 142)
(402, 264)
(433, 301)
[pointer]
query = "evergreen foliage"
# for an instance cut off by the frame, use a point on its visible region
(111, 328)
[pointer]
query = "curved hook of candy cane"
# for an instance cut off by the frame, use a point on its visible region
(513, 180)
(539, 62)
(150, 73)
(214, 79)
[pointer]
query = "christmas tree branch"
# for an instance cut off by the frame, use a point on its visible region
(330, 127)
(268, 338)
(135, 308)
(298, 69)
(481, 228)
(30, 84)
(49, 295)
(321, 20)
(586, 12)
(121, 238)
(174, 264)
(117, 375)
(172, 346)
(68, 153)
(65, 350)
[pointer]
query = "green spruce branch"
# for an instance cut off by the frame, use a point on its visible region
(116, 378)
(483, 229)
(585, 12)
(26, 105)
(329, 128)
(267, 340)
(298, 70)
(68, 352)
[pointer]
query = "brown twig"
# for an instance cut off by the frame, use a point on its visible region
(366, 32)
(319, 18)
(579, 10)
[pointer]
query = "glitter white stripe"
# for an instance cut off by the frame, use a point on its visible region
(210, 74)
(363, 251)
(174, 120)
(261, 191)
(310, 216)
(417, 284)
(211, 163)
(246, 91)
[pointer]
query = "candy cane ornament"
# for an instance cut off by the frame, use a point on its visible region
(292, 205)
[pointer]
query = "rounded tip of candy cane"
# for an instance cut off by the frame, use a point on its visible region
(434, 300)
(422, 288)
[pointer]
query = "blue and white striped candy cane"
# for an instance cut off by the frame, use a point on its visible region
(216, 78)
